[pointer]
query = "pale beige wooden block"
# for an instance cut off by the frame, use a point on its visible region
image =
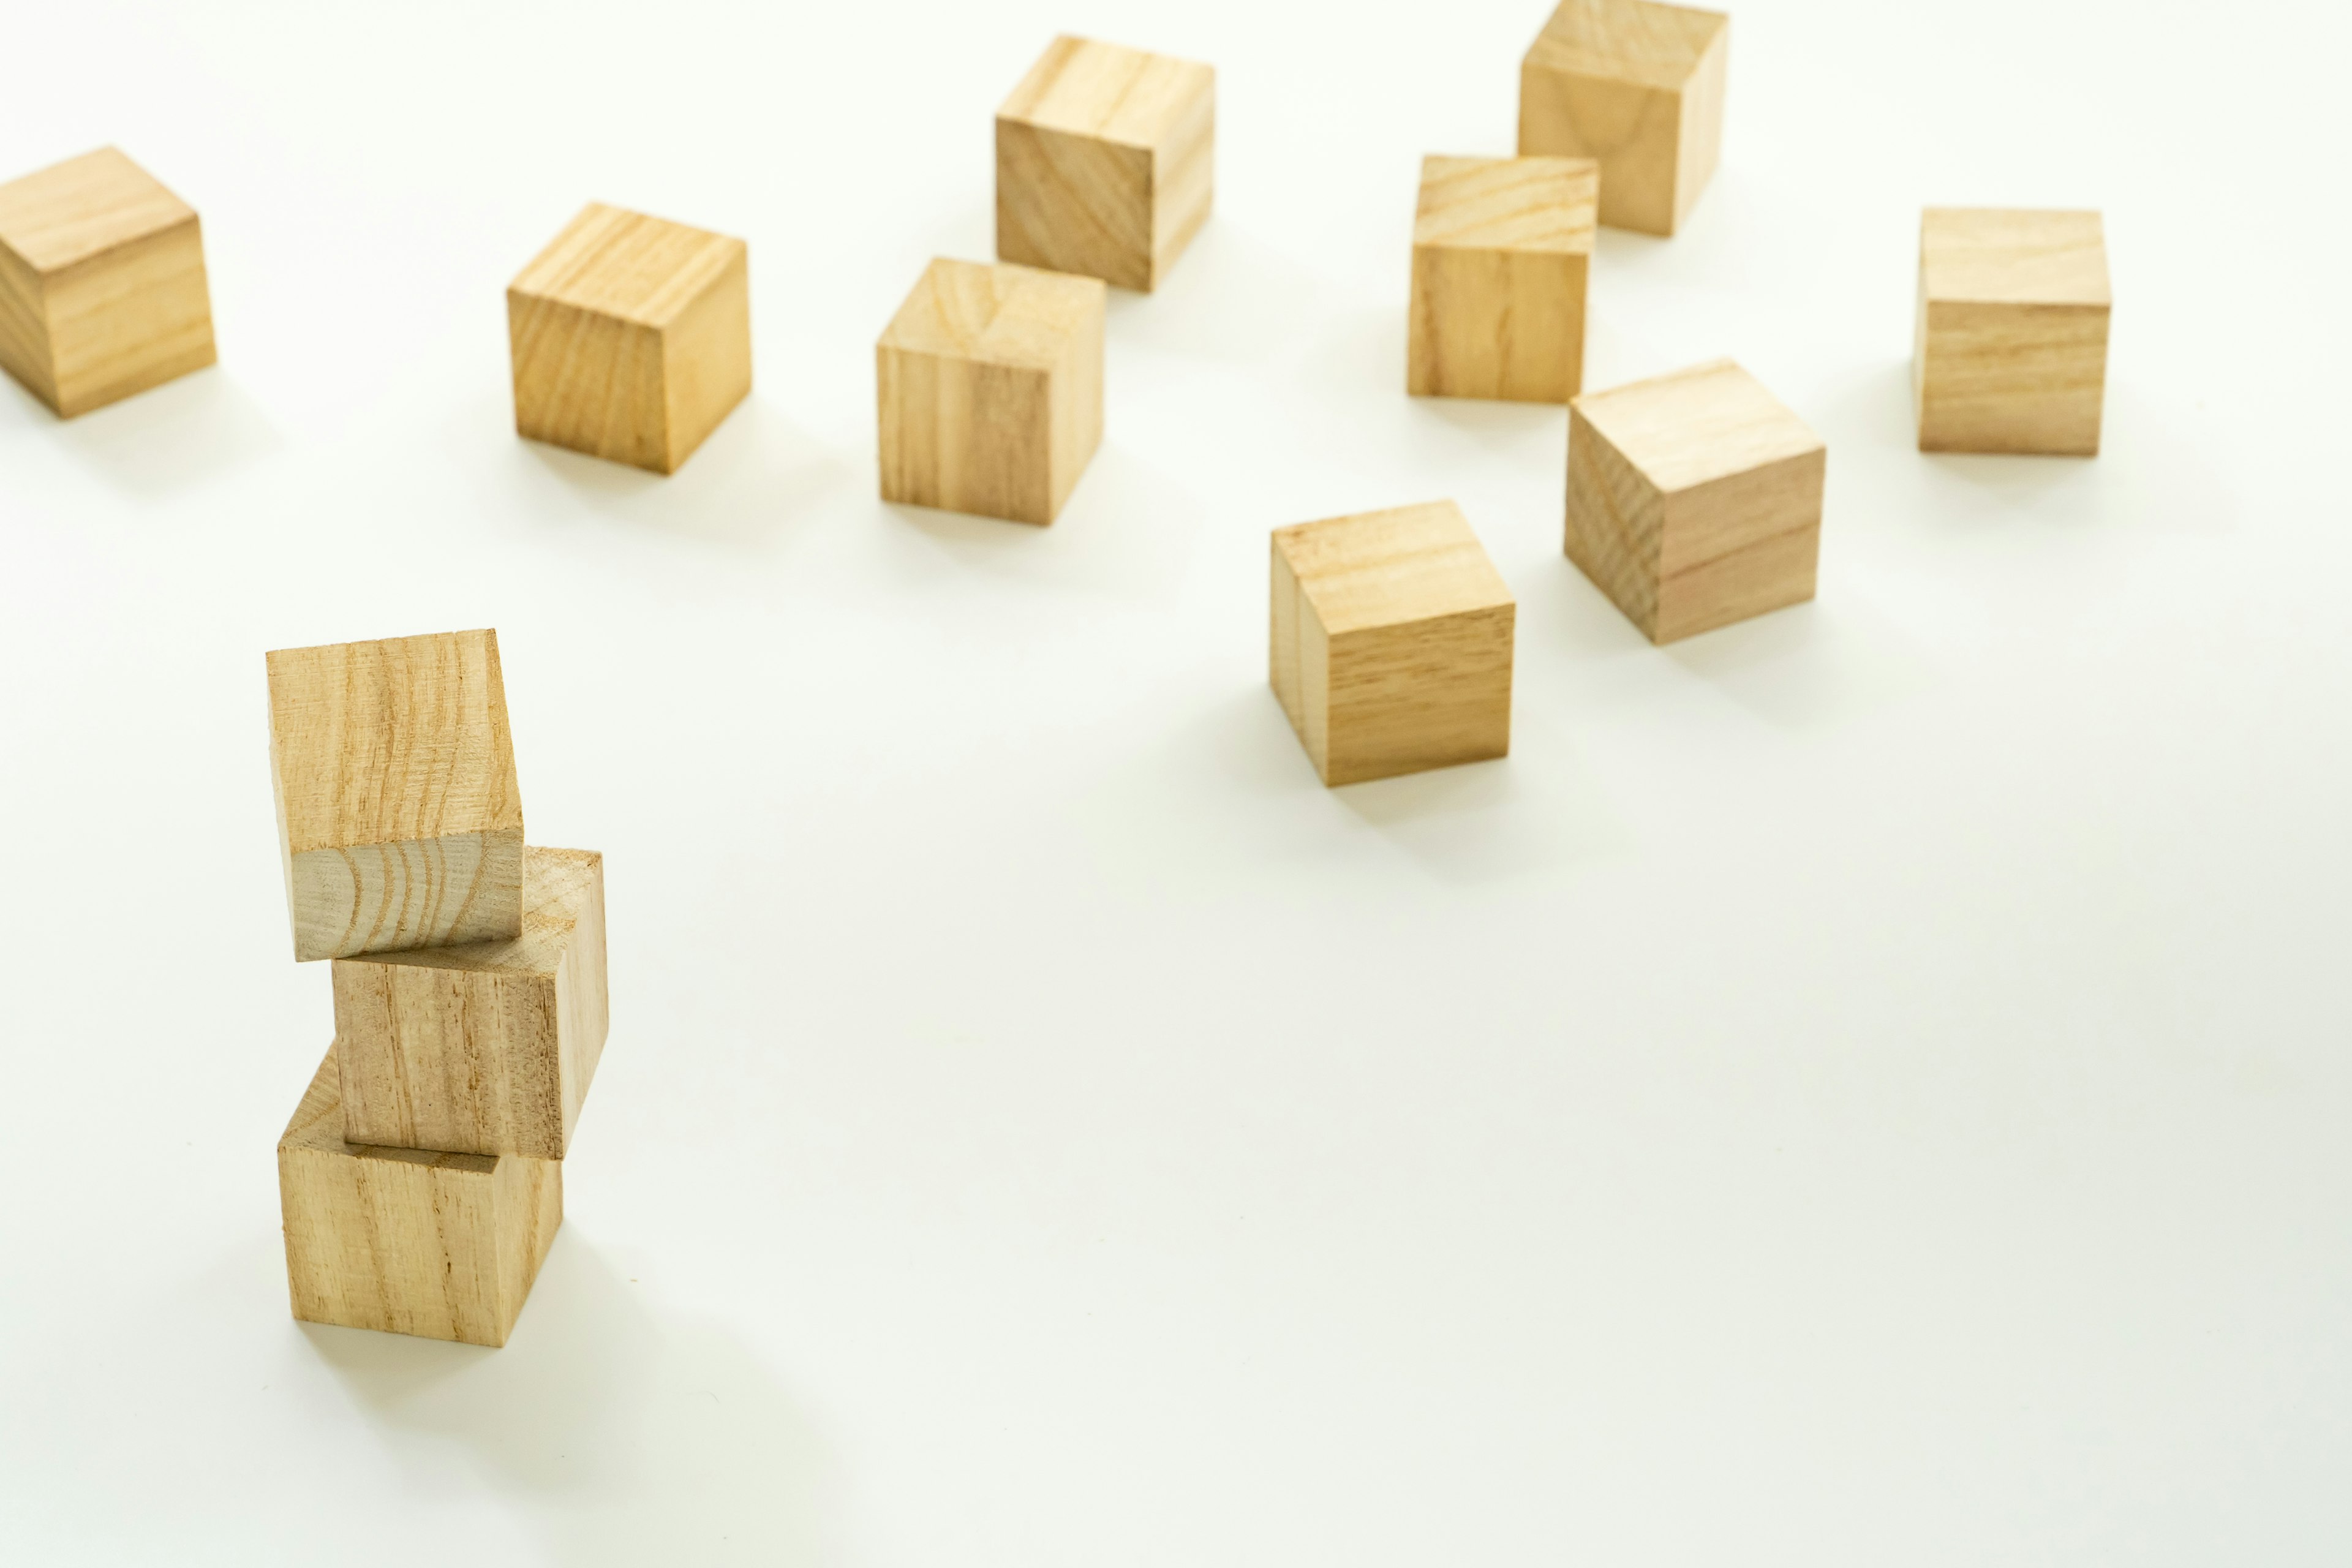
(406, 1241)
(2010, 345)
(630, 337)
(103, 289)
(1105, 161)
(1391, 647)
(1693, 499)
(1639, 87)
(487, 1048)
(990, 386)
(1502, 249)
(398, 816)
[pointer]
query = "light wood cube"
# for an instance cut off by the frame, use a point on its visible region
(990, 385)
(1392, 642)
(632, 338)
(1104, 162)
(486, 1048)
(102, 289)
(406, 1241)
(398, 816)
(2011, 351)
(1638, 85)
(1693, 499)
(1501, 251)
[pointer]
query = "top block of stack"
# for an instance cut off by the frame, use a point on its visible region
(398, 816)
(1640, 88)
(1104, 162)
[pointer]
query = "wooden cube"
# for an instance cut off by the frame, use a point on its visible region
(1104, 162)
(1501, 249)
(406, 1241)
(2011, 351)
(1392, 642)
(1638, 85)
(398, 816)
(1693, 499)
(486, 1048)
(103, 287)
(632, 338)
(990, 383)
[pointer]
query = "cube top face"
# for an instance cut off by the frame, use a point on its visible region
(997, 314)
(1379, 569)
(1113, 94)
(644, 270)
(83, 207)
(2006, 256)
(557, 887)
(1633, 41)
(1548, 204)
(1696, 426)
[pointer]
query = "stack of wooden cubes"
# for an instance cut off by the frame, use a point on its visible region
(421, 1178)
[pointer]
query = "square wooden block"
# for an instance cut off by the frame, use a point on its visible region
(632, 338)
(103, 287)
(405, 1241)
(1638, 85)
(2011, 351)
(990, 381)
(1104, 162)
(1501, 251)
(1693, 499)
(398, 816)
(1392, 642)
(486, 1048)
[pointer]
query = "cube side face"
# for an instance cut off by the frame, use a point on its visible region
(1183, 183)
(407, 894)
(1698, 147)
(1073, 393)
(458, 1061)
(1633, 130)
(395, 1245)
(1419, 695)
(706, 360)
(130, 319)
(583, 1007)
(25, 328)
(1740, 546)
(588, 382)
(965, 436)
(1496, 324)
(528, 1200)
(2014, 378)
(1300, 660)
(1071, 203)
(1616, 523)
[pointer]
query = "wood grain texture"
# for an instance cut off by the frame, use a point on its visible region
(103, 288)
(490, 1048)
(406, 1241)
(1639, 87)
(398, 815)
(1502, 249)
(631, 337)
(2010, 343)
(1390, 643)
(1105, 161)
(1693, 499)
(988, 385)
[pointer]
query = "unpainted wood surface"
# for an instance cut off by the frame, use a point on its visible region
(487, 1048)
(2011, 347)
(1639, 87)
(1502, 249)
(399, 818)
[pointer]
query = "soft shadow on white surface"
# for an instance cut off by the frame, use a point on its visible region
(1231, 297)
(1503, 426)
(1360, 349)
(1807, 667)
(1482, 822)
(165, 440)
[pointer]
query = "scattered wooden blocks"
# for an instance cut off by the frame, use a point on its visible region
(1501, 250)
(632, 338)
(990, 381)
(1392, 642)
(1638, 85)
(1693, 499)
(406, 1241)
(1104, 162)
(2012, 345)
(103, 287)
(486, 1048)
(398, 816)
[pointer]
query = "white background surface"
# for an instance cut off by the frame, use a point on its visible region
(1868, 1086)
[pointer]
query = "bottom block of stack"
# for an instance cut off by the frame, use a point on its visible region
(404, 1240)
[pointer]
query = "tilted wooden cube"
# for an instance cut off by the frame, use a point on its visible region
(990, 383)
(1501, 251)
(406, 1241)
(487, 1048)
(1392, 642)
(1693, 499)
(1104, 162)
(102, 289)
(2010, 353)
(398, 816)
(1638, 85)
(632, 338)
